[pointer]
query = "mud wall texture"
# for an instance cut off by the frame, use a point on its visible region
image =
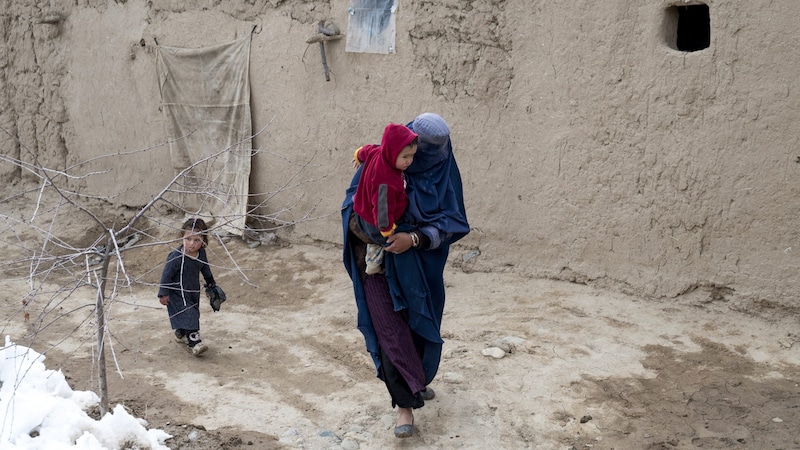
(591, 148)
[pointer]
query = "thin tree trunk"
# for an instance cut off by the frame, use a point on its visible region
(101, 327)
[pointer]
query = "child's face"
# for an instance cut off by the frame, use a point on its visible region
(192, 242)
(406, 157)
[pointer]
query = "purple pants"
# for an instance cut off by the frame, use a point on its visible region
(401, 365)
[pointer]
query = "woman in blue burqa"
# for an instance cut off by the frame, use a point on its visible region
(400, 310)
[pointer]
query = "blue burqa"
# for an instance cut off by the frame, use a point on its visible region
(415, 277)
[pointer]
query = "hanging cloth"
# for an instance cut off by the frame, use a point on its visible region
(205, 99)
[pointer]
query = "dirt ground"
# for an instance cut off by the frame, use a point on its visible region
(581, 368)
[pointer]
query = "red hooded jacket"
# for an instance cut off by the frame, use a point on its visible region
(380, 170)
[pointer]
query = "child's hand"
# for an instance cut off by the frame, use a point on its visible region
(164, 300)
(356, 163)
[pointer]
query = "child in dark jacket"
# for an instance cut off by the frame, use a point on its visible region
(179, 289)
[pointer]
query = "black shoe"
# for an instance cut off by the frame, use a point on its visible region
(427, 394)
(181, 338)
(404, 431)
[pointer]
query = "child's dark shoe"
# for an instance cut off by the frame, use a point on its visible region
(181, 338)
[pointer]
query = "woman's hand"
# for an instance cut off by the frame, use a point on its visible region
(164, 300)
(398, 243)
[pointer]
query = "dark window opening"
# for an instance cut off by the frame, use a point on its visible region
(689, 27)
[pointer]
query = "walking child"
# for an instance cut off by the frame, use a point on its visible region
(179, 289)
(380, 199)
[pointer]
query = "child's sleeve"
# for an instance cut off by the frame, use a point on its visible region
(205, 269)
(168, 276)
(390, 231)
(386, 204)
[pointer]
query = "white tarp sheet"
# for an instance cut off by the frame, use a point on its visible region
(371, 26)
(205, 95)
